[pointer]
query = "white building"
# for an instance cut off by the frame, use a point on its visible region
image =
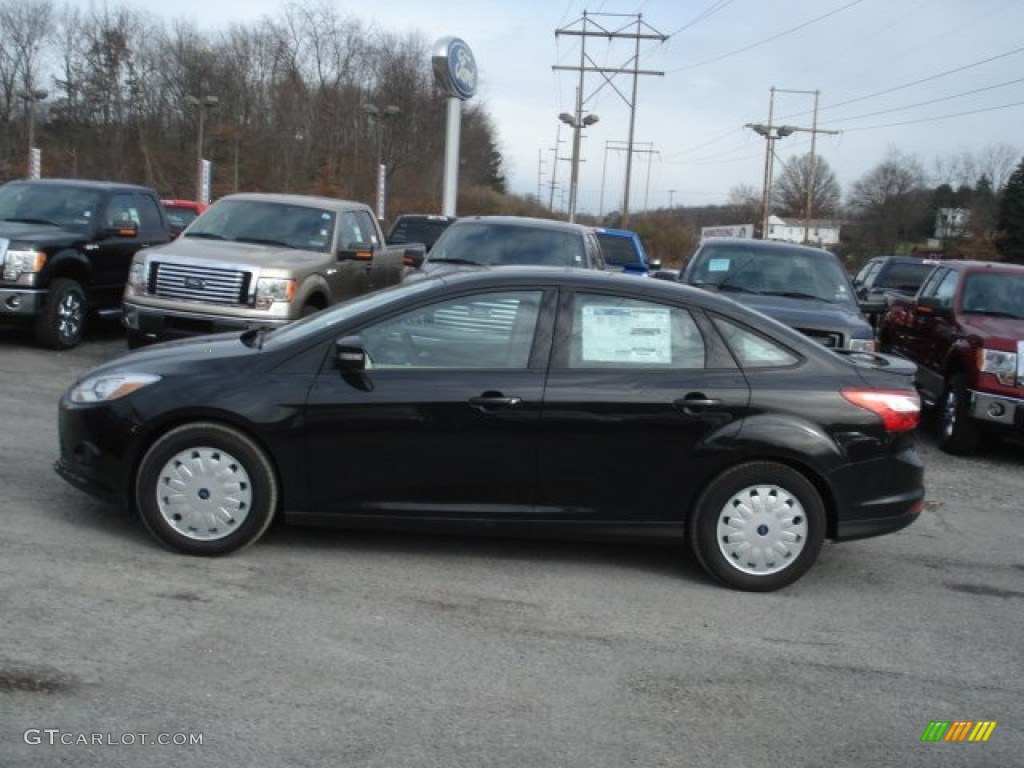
(822, 232)
(951, 222)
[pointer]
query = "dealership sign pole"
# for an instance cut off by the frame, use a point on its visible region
(456, 74)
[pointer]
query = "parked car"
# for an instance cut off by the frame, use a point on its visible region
(65, 248)
(259, 260)
(488, 241)
(510, 400)
(804, 287)
(964, 330)
(422, 228)
(624, 249)
(181, 213)
(885, 276)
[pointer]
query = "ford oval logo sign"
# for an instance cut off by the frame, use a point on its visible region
(195, 283)
(455, 67)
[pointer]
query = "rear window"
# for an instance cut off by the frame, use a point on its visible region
(905, 276)
(618, 250)
(418, 230)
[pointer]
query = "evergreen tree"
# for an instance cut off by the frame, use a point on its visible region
(1011, 217)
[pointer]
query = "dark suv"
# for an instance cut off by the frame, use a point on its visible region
(805, 288)
(885, 275)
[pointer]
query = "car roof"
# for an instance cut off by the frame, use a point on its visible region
(524, 221)
(624, 233)
(767, 246)
(311, 201)
(84, 184)
(981, 266)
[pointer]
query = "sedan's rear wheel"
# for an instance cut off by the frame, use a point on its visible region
(206, 489)
(758, 526)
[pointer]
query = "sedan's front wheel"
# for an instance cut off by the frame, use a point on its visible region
(758, 526)
(206, 489)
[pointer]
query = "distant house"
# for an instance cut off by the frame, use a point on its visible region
(951, 222)
(821, 232)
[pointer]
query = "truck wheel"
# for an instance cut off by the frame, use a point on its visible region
(957, 433)
(758, 526)
(206, 489)
(62, 321)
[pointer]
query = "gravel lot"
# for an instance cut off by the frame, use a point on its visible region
(339, 648)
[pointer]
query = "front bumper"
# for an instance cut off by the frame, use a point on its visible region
(161, 324)
(999, 410)
(21, 302)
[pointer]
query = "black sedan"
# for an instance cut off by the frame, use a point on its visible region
(517, 400)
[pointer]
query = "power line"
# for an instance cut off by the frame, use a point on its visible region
(766, 40)
(936, 118)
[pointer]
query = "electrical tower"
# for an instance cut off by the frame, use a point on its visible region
(587, 27)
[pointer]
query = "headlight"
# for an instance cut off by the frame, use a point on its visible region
(1002, 365)
(137, 277)
(17, 263)
(271, 289)
(103, 389)
(862, 345)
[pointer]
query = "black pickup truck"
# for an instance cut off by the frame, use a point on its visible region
(66, 246)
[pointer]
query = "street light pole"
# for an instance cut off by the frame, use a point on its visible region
(202, 103)
(379, 116)
(577, 124)
(31, 97)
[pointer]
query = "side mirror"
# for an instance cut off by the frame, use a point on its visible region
(654, 265)
(414, 255)
(930, 305)
(356, 252)
(350, 354)
(123, 228)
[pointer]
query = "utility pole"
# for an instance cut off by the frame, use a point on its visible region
(774, 132)
(631, 67)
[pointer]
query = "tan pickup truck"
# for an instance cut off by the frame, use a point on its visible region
(259, 260)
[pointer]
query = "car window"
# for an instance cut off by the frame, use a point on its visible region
(149, 213)
(906, 276)
(121, 208)
(751, 349)
(489, 330)
(945, 290)
(617, 332)
(494, 243)
(932, 281)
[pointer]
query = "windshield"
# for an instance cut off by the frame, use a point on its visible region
(782, 271)
(70, 207)
(994, 293)
(269, 223)
(491, 243)
(905, 276)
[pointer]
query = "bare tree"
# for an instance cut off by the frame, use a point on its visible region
(890, 201)
(790, 190)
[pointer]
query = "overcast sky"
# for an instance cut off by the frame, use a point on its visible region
(930, 78)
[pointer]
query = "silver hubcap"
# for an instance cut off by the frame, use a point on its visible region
(69, 316)
(762, 529)
(204, 493)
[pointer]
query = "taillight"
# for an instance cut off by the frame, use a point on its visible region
(899, 410)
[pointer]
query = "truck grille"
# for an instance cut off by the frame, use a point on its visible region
(202, 284)
(832, 340)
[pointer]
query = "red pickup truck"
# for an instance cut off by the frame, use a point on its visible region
(964, 329)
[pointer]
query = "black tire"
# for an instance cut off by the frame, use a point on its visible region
(955, 430)
(309, 309)
(772, 502)
(224, 503)
(61, 324)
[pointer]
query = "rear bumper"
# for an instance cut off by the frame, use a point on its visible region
(892, 500)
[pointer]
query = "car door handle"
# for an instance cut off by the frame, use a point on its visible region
(696, 402)
(495, 401)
